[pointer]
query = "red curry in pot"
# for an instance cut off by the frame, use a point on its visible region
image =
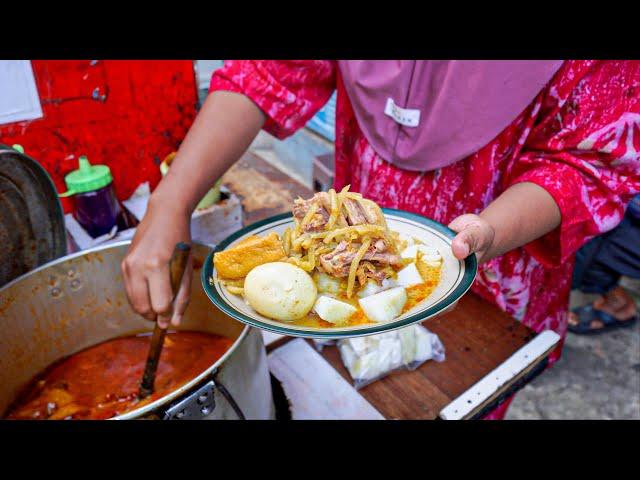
(102, 381)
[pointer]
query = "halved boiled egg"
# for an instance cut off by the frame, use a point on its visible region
(280, 291)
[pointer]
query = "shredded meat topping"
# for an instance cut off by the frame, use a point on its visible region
(338, 261)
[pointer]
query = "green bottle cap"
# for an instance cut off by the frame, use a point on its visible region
(18, 148)
(87, 178)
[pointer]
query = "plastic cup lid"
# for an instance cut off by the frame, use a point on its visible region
(87, 178)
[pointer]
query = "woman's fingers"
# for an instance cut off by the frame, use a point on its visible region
(464, 244)
(146, 266)
(184, 293)
(160, 293)
(462, 221)
(475, 235)
(460, 248)
(137, 290)
(173, 315)
(466, 241)
(148, 286)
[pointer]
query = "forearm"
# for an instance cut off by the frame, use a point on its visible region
(223, 130)
(523, 213)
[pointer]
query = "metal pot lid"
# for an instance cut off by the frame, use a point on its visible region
(32, 230)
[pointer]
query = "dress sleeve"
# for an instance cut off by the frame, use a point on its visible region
(586, 153)
(288, 92)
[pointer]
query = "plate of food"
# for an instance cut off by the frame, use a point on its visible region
(337, 266)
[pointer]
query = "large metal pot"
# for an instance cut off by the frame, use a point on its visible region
(79, 300)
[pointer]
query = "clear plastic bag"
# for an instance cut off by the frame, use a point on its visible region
(371, 358)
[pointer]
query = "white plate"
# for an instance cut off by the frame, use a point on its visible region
(456, 278)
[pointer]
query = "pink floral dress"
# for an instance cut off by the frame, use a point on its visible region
(579, 139)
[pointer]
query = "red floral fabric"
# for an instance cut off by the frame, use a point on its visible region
(579, 139)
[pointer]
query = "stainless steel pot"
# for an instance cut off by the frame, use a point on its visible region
(79, 300)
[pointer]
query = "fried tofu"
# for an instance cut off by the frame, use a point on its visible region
(238, 261)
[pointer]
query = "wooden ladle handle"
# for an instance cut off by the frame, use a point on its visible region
(177, 266)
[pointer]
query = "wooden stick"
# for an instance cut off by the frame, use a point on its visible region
(177, 266)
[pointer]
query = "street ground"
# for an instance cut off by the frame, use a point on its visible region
(598, 377)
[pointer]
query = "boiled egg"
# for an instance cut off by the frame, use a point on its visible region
(280, 291)
(384, 306)
(332, 310)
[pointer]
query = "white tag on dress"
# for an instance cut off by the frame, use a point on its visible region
(404, 116)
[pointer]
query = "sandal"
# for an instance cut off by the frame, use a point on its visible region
(586, 314)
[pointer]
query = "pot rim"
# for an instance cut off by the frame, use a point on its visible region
(139, 412)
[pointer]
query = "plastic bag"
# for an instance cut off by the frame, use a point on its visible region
(371, 358)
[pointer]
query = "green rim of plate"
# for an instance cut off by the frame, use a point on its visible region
(470, 263)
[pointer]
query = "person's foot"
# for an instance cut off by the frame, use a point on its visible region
(617, 303)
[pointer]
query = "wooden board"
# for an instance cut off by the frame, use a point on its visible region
(477, 335)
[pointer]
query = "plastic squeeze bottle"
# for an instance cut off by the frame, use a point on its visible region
(96, 207)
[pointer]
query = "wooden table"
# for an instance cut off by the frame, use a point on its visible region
(478, 337)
